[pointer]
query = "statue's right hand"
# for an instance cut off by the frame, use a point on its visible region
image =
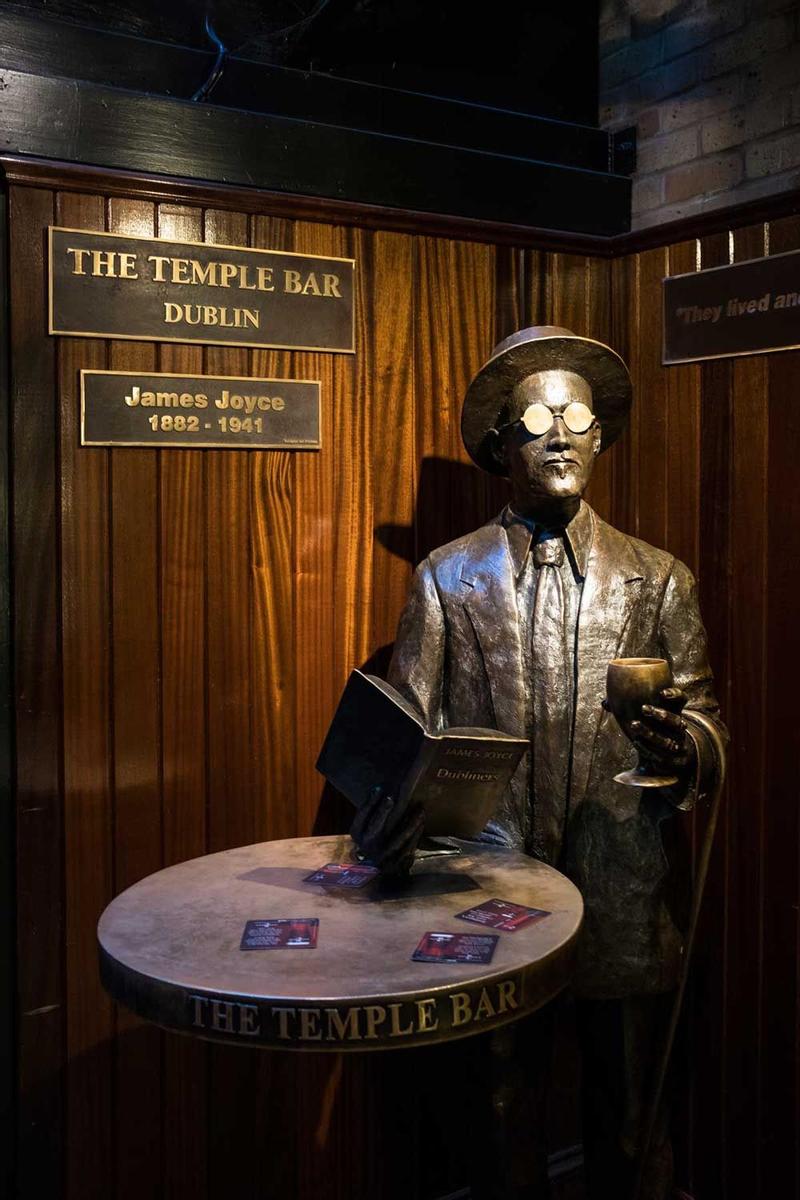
(385, 842)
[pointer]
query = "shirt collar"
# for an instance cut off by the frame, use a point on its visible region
(577, 534)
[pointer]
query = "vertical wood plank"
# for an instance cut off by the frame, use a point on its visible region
(683, 441)
(37, 701)
(598, 324)
(273, 733)
(708, 974)
(387, 298)
(649, 387)
(452, 341)
(624, 287)
(435, 394)
(136, 745)
(780, 1037)
(88, 765)
(182, 620)
(745, 801)
(231, 793)
(228, 632)
(326, 579)
(317, 650)
(472, 339)
(273, 619)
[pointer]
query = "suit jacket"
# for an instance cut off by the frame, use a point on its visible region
(458, 659)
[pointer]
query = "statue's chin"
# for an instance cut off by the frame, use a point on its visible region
(559, 486)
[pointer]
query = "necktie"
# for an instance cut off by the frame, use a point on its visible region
(552, 698)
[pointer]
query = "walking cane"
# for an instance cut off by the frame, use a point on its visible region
(718, 746)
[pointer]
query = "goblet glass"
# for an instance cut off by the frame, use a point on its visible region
(630, 683)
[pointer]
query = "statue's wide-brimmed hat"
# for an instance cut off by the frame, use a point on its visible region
(543, 348)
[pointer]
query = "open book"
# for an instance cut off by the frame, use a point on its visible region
(376, 738)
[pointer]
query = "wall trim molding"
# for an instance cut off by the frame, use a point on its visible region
(31, 171)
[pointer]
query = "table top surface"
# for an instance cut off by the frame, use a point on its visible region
(170, 948)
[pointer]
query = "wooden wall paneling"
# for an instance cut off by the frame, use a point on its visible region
(508, 291)
(41, 999)
(682, 514)
(536, 287)
(682, 449)
(624, 289)
(705, 1004)
(272, 499)
(136, 744)
(9, 1138)
(649, 388)
(228, 633)
(599, 324)
(181, 549)
(436, 396)
(454, 323)
(351, 450)
(473, 293)
(683, 439)
(780, 1018)
(333, 566)
(88, 763)
(569, 292)
(273, 733)
(511, 302)
(314, 517)
(387, 308)
(231, 792)
(745, 801)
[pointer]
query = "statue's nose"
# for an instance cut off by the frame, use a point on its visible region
(559, 434)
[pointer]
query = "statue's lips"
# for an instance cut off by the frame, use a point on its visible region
(560, 467)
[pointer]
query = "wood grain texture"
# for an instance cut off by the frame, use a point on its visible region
(314, 519)
(780, 1015)
(746, 800)
(136, 742)
(272, 598)
(41, 999)
(88, 757)
(180, 546)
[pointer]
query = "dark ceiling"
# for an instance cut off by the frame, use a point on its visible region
(538, 58)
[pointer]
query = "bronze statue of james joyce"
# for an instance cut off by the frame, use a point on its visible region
(513, 627)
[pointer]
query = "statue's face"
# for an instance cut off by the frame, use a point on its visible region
(555, 464)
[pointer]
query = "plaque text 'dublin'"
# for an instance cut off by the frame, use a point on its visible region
(131, 408)
(109, 285)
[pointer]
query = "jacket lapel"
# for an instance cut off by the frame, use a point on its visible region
(490, 601)
(610, 591)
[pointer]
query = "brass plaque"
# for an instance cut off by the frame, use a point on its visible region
(109, 285)
(229, 412)
(750, 307)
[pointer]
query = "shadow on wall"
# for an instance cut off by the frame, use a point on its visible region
(452, 499)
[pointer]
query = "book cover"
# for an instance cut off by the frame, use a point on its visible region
(377, 739)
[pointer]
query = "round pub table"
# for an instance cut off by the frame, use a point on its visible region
(171, 948)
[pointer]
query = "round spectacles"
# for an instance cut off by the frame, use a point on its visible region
(538, 418)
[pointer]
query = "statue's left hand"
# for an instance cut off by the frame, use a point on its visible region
(661, 735)
(384, 841)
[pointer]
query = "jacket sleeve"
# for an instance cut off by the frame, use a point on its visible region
(684, 644)
(417, 665)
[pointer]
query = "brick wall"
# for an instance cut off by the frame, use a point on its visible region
(713, 88)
